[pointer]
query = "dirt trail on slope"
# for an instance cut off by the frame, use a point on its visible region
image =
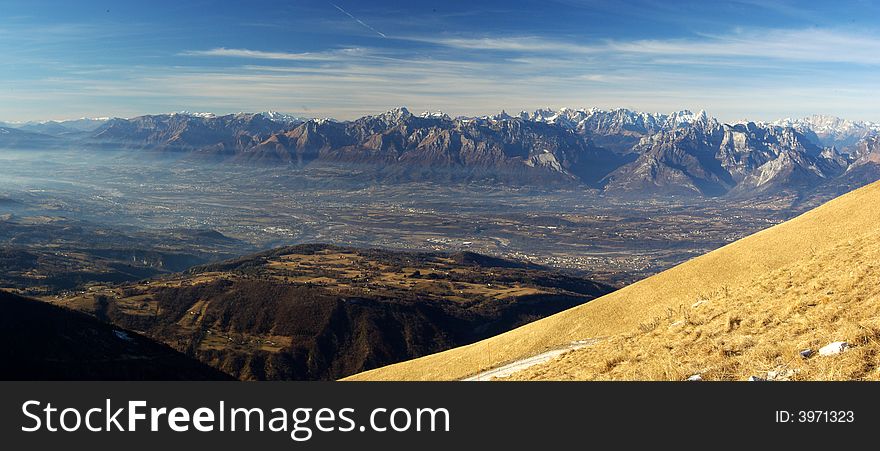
(519, 365)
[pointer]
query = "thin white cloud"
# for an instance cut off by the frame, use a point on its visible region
(358, 87)
(754, 74)
(286, 56)
(806, 45)
(513, 44)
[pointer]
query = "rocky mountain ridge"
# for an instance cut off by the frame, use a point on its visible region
(619, 151)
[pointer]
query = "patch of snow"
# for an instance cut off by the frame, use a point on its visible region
(833, 348)
(281, 117)
(204, 115)
(435, 115)
(394, 116)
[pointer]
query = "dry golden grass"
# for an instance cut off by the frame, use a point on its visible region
(338, 267)
(754, 330)
(760, 300)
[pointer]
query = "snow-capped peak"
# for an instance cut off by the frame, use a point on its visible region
(620, 119)
(688, 117)
(395, 115)
(204, 115)
(281, 117)
(434, 115)
(820, 123)
(830, 130)
(503, 116)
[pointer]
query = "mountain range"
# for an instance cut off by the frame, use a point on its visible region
(619, 152)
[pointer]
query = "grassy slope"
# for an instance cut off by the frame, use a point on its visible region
(760, 290)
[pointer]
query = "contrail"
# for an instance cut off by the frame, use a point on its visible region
(359, 21)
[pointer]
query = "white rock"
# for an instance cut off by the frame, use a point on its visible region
(695, 378)
(756, 379)
(833, 348)
(782, 374)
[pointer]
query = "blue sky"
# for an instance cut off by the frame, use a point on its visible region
(746, 59)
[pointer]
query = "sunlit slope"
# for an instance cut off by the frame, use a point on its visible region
(764, 272)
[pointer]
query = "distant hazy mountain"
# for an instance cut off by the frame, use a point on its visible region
(188, 132)
(85, 124)
(620, 151)
(58, 128)
(830, 131)
(13, 138)
(47, 128)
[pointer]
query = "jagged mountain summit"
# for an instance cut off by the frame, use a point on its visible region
(617, 151)
(619, 120)
(713, 159)
(830, 131)
(409, 146)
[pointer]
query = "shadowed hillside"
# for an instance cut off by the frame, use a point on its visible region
(762, 306)
(44, 342)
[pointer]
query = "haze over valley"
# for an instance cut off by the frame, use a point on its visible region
(615, 195)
